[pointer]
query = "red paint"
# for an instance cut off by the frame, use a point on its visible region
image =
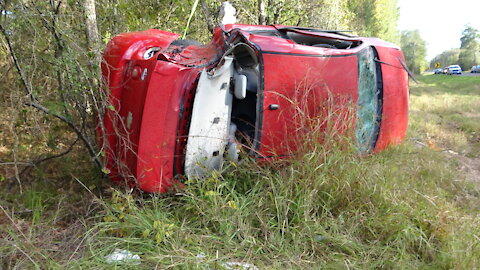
(306, 94)
(147, 122)
(395, 99)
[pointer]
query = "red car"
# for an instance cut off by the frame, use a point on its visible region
(177, 108)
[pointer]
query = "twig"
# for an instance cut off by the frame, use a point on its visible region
(17, 163)
(28, 256)
(33, 102)
(208, 17)
(192, 12)
(76, 129)
(36, 162)
(15, 60)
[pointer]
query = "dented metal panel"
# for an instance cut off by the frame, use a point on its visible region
(210, 122)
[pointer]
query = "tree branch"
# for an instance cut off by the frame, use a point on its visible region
(76, 129)
(34, 103)
(208, 17)
(39, 160)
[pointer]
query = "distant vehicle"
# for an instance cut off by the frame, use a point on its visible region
(475, 69)
(438, 71)
(454, 69)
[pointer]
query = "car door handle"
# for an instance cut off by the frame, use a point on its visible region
(273, 107)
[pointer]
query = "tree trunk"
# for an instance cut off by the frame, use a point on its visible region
(93, 40)
(93, 45)
(261, 12)
(115, 17)
(208, 17)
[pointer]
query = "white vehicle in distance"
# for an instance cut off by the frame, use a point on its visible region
(454, 69)
(475, 69)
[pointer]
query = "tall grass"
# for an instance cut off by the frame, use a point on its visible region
(446, 111)
(325, 208)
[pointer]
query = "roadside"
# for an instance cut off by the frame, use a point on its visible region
(407, 207)
(464, 74)
(469, 74)
(445, 113)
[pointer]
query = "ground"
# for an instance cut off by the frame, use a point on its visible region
(470, 164)
(449, 106)
(412, 206)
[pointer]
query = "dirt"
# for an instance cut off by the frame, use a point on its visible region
(469, 166)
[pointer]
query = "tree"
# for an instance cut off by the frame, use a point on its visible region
(52, 50)
(469, 37)
(470, 47)
(91, 29)
(46, 47)
(446, 58)
(415, 51)
(376, 18)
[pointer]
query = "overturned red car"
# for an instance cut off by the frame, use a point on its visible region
(178, 108)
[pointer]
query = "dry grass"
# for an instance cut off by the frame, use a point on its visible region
(408, 207)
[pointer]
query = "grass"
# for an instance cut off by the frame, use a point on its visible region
(409, 207)
(445, 109)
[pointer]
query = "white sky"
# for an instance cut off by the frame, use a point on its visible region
(440, 22)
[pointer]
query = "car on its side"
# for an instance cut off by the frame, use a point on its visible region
(178, 109)
(475, 69)
(438, 71)
(454, 69)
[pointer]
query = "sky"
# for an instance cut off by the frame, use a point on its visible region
(440, 22)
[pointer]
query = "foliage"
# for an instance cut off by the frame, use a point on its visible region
(316, 212)
(415, 51)
(446, 58)
(467, 56)
(405, 208)
(328, 208)
(446, 109)
(377, 18)
(364, 17)
(470, 45)
(469, 37)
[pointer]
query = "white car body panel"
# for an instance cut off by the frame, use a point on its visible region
(210, 122)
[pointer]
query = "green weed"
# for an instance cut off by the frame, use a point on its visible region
(408, 207)
(327, 209)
